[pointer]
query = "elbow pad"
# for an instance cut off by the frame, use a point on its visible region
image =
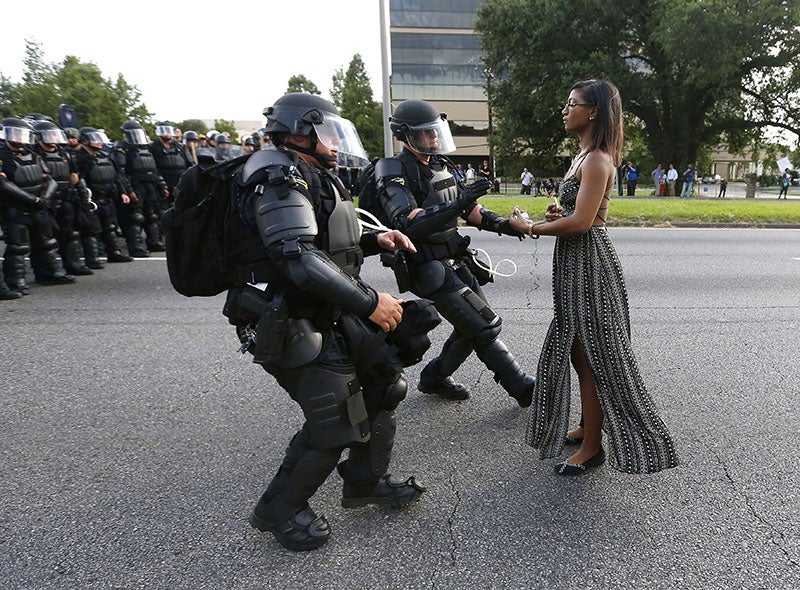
(432, 220)
(314, 272)
(491, 221)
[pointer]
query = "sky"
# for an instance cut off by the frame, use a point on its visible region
(204, 60)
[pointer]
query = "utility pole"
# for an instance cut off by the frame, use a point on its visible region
(388, 148)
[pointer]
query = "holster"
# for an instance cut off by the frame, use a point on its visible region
(271, 331)
(398, 262)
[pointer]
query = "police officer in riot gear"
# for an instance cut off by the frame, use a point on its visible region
(98, 171)
(141, 181)
(170, 156)
(68, 200)
(222, 147)
(26, 188)
(329, 332)
(191, 141)
(421, 196)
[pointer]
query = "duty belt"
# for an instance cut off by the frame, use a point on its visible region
(348, 258)
(455, 247)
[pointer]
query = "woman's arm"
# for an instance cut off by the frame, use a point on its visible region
(596, 176)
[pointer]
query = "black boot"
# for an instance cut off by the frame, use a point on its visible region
(155, 237)
(91, 253)
(507, 372)
(113, 253)
(436, 376)
(14, 268)
(71, 255)
(48, 268)
(387, 491)
(7, 294)
(303, 531)
(135, 240)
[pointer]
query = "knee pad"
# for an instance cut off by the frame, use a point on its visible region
(137, 218)
(18, 249)
(429, 277)
(153, 218)
(73, 235)
(395, 393)
(469, 314)
(49, 243)
(333, 404)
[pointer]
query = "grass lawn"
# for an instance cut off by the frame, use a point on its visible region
(651, 212)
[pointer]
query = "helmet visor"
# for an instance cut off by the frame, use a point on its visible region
(18, 135)
(340, 134)
(165, 130)
(136, 136)
(97, 139)
(53, 136)
(431, 138)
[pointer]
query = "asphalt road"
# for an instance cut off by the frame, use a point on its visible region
(135, 441)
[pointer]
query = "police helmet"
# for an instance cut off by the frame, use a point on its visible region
(249, 141)
(221, 138)
(17, 131)
(71, 133)
(133, 133)
(165, 129)
(191, 136)
(94, 138)
(48, 133)
(36, 117)
(418, 124)
(300, 113)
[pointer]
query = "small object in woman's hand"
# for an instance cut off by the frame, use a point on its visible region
(556, 203)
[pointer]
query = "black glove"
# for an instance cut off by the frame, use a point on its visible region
(472, 192)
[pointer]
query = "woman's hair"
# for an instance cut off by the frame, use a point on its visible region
(607, 129)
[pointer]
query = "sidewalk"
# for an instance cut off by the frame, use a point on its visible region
(701, 191)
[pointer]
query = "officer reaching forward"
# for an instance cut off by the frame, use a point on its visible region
(421, 197)
(326, 329)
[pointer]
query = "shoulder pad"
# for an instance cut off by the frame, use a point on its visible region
(388, 167)
(265, 159)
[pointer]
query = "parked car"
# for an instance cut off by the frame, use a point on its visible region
(711, 179)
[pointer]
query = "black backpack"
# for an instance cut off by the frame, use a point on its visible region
(204, 235)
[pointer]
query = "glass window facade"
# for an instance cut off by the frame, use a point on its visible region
(437, 67)
(437, 14)
(434, 63)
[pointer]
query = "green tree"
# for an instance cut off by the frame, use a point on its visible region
(9, 96)
(694, 73)
(299, 83)
(352, 93)
(229, 126)
(97, 101)
(193, 125)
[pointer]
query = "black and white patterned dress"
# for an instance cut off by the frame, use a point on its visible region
(591, 304)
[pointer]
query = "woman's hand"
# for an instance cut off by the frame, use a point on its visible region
(553, 212)
(519, 220)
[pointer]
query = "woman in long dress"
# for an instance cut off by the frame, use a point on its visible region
(591, 325)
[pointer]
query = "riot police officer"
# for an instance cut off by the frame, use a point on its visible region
(326, 329)
(140, 179)
(222, 147)
(26, 188)
(191, 142)
(97, 169)
(68, 199)
(170, 156)
(421, 196)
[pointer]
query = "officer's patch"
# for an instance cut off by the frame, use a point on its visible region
(398, 180)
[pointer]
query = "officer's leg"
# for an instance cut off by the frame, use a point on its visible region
(471, 315)
(107, 214)
(151, 211)
(47, 266)
(329, 393)
(70, 246)
(88, 227)
(428, 279)
(130, 219)
(365, 478)
(17, 248)
(436, 377)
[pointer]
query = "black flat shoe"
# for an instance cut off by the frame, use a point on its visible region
(567, 468)
(572, 440)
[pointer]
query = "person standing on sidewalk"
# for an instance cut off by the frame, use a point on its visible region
(659, 180)
(786, 180)
(689, 176)
(672, 178)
